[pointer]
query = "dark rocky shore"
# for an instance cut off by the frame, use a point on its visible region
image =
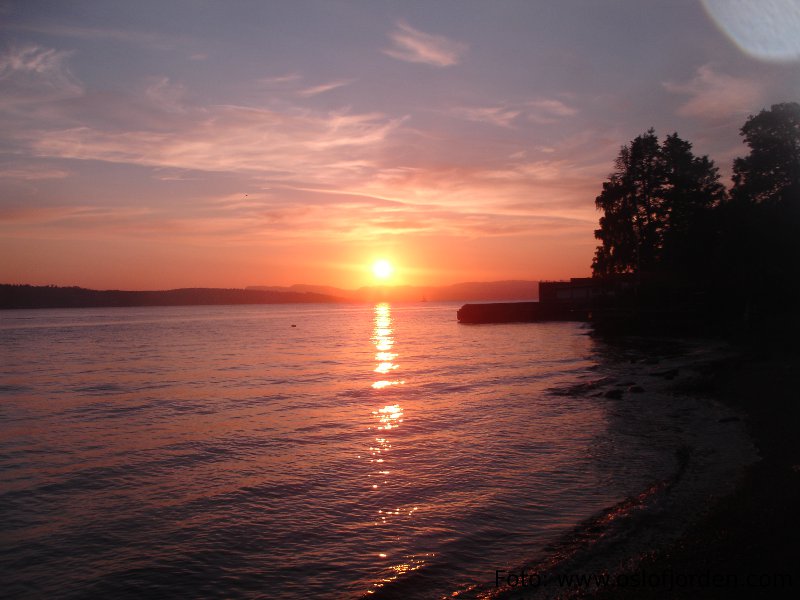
(746, 545)
(705, 537)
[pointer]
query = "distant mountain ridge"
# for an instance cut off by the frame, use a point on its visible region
(30, 296)
(488, 290)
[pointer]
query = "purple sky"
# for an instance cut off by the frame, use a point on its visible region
(169, 144)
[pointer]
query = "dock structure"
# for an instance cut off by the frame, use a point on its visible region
(518, 312)
(558, 301)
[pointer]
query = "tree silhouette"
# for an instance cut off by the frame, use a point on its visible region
(771, 172)
(629, 229)
(690, 191)
(696, 253)
(656, 208)
(761, 244)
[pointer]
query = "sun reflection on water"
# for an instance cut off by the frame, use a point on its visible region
(383, 338)
(388, 417)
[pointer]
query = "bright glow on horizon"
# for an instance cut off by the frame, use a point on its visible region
(151, 147)
(382, 269)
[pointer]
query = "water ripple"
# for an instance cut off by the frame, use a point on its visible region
(209, 452)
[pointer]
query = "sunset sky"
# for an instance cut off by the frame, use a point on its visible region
(161, 144)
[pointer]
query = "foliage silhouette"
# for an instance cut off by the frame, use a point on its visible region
(770, 174)
(657, 208)
(669, 223)
(760, 247)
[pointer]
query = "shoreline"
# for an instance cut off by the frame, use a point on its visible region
(694, 534)
(748, 536)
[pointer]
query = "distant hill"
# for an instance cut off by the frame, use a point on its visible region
(29, 296)
(475, 291)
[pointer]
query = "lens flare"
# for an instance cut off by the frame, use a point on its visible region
(766, 30)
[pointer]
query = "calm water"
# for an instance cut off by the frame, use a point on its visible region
(223, 452)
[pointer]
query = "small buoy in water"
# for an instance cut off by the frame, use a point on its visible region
(293, 325)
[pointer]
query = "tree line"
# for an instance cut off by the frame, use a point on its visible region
(667, 218)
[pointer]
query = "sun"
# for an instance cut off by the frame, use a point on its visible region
(382, 269)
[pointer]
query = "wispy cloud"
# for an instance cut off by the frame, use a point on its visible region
(325, 87)
(549, 110)
(337, 175)
(166, 95)
(412, 45)
(35, 73)
(69, 217)
(160, 126)
(30, 59)
(138, 38)
(229, 138)
(32, 173)
(715, 95)
(496, 115)
(278, 80)
(541, 111)
(292, 84)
